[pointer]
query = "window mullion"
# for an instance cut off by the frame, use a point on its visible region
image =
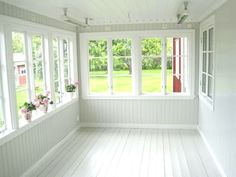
(136, 65)
(207, 62)
(110, 65)
(27, 61)
(69, 60)
(50, 66)
(61, 61)
(164, 66)
(14, 121)
(44, 64)
(30, 66)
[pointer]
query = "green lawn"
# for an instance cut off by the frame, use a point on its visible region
(122, 81)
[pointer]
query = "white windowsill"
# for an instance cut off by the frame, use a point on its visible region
(140, 97)
(10, 134)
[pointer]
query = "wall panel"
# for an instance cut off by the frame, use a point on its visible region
(139, 111)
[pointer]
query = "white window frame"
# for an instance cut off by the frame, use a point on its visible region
(9, 25)
(136, 37)
(30, 35)
(206, 26)
(1, 81)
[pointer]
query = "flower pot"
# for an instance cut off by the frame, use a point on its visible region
(70, 95)
(43, 108)
(27, 116)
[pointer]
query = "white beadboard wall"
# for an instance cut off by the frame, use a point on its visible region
(219, 125)
(139, 111)
(13, 11)
(125, 111)
(20, 153)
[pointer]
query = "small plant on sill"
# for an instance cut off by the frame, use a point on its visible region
(72, 87)
(26, 110)
(42, 101)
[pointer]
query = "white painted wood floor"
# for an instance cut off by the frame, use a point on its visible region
(111, 152)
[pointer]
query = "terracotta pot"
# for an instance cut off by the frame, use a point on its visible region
(27, 116)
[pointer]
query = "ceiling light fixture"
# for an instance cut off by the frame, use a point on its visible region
(182, 16)
(73, 21)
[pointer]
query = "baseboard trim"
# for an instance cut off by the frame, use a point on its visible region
(215, 159)
(155, 126)
(49, 154)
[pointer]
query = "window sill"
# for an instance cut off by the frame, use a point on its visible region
(24, 126)
(140, 97)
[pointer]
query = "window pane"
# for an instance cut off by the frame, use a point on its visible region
(56, 65)
(210, 63)
(210, 87)
(204, 62)
(205, 41)
(98, 80)
(204, 83)
(66, 68)
(211, 39)
(19, 60)
(56, 69)
(151, 65)
(2, 123)
(57, 92)
(66, 59)
(38, 64)
(176, 64)
(122, 68)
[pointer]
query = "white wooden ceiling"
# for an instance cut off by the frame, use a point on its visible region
(120, 11)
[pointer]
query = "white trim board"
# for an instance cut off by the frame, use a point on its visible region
(215, 159)
(49, 154)
(154, 126)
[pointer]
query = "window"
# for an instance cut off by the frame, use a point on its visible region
(20, 68)
(151, 65)
(33, 60)
(38, 65)
(177, 57)
(67, 62)
(207, 60)
(122, 66)
(2, 117)
(56, 73)
(138, 64)
(98, 66)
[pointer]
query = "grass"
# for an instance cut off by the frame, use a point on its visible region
(122, 81)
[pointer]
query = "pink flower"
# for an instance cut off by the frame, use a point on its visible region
(77, 83)
(48, 93)
(24, 110)
(45, 101)
(36, 102)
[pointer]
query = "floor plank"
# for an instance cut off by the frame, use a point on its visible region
(115, 152)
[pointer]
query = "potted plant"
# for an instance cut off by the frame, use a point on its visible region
(71, 88)
(26, 110)
(42, 101)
